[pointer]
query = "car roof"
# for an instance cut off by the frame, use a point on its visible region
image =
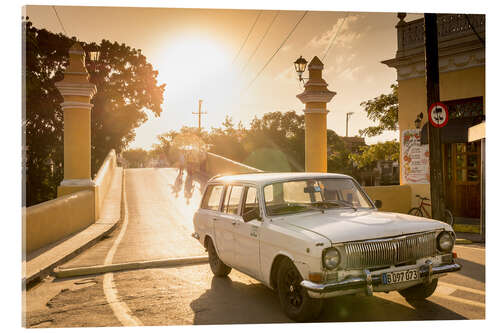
(262, 178)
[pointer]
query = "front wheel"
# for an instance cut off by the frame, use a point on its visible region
(416, 211)
(420, 291)
(294, 299)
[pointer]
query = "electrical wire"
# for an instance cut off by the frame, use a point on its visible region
(334, 37)
(261, 40)
(248, 35)
(59, 19)
(279, 48)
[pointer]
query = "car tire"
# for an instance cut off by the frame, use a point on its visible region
(294, 299)
(420, 291)
(216, 265)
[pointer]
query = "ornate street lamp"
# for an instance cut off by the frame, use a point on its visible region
(418, 121)
(300, 66)
(94, 55)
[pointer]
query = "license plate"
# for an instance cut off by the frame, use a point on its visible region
(401, 276)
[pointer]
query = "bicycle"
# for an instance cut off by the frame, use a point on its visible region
(420, 210)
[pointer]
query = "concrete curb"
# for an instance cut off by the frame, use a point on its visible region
(100, 269)
(463, 241)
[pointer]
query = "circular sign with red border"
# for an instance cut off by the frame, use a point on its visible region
(438, 114)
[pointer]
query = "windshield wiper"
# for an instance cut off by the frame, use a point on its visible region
(342, 202)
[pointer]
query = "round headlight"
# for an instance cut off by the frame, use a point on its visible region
(331, 258)
(445, 241)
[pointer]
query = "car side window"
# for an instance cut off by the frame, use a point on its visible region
(251, 200)
(232, 199)
(212, 197)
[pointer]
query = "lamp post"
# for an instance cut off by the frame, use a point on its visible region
(300, 66)
(418, 121)
(315, 97)
(347, 116)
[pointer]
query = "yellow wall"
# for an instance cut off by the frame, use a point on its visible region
(103, 180)
(412, 97)
(395, 198)
(50, 221)
(53, 220)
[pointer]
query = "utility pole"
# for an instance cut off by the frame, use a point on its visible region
(199, 113)
(432, 83)
(347, 116)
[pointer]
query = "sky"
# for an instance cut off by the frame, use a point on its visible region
(197, 53)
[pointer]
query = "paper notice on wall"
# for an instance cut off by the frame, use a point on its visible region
(415, 161)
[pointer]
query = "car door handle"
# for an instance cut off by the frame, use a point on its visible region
(214, 219)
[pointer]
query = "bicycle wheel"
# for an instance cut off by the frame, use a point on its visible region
(416, 211)
(448, 217)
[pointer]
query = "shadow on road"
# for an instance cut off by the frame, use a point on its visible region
(231, 302)
(471, 269)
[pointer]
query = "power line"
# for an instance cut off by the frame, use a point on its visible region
(261, 40)
(248, 35)
(60, 22)
(279, 48)
(334, 37)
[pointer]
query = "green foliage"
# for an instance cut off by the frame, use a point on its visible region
(136, 158)
(383, 110)
(126, 86)
(369, 155)
(274, 142)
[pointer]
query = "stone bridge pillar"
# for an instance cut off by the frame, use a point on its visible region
(77, 92)
(315, 97)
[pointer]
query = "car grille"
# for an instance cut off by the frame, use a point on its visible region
(389, 251)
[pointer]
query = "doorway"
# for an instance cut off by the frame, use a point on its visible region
(462, 178)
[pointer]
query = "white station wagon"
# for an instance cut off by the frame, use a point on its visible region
(312, 236)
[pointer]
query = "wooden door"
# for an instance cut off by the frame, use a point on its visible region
(462, 178)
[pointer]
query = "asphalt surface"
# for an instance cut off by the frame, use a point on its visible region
(160, 205)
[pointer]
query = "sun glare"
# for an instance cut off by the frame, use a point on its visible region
(196, 66)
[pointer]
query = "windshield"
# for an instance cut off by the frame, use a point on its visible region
(313, 194)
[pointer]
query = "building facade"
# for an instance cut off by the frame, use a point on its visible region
(461, 41)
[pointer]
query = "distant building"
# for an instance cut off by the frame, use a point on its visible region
(462, 89)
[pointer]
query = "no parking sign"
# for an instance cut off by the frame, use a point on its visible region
(438, 114)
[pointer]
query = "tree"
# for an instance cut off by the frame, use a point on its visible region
(136, 158)
(369, 155)
(126, 86)
(383, 110)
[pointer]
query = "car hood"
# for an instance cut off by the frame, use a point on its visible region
(345, 226)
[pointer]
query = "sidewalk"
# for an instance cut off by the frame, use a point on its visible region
(43, 261)
(469, 238)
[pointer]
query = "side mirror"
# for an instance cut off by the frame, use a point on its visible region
(378, 203)
(251, 215)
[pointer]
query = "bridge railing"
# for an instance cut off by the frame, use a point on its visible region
(53, 220)
(103, 179)
(395, 198)
(216, 164)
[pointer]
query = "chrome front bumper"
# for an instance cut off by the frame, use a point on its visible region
(369, 280)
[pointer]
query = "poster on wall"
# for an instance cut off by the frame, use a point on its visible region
(415, 158)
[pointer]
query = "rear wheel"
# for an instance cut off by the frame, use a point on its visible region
(294, 299)
(216, 265)
(420, 291)
(416, 211)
